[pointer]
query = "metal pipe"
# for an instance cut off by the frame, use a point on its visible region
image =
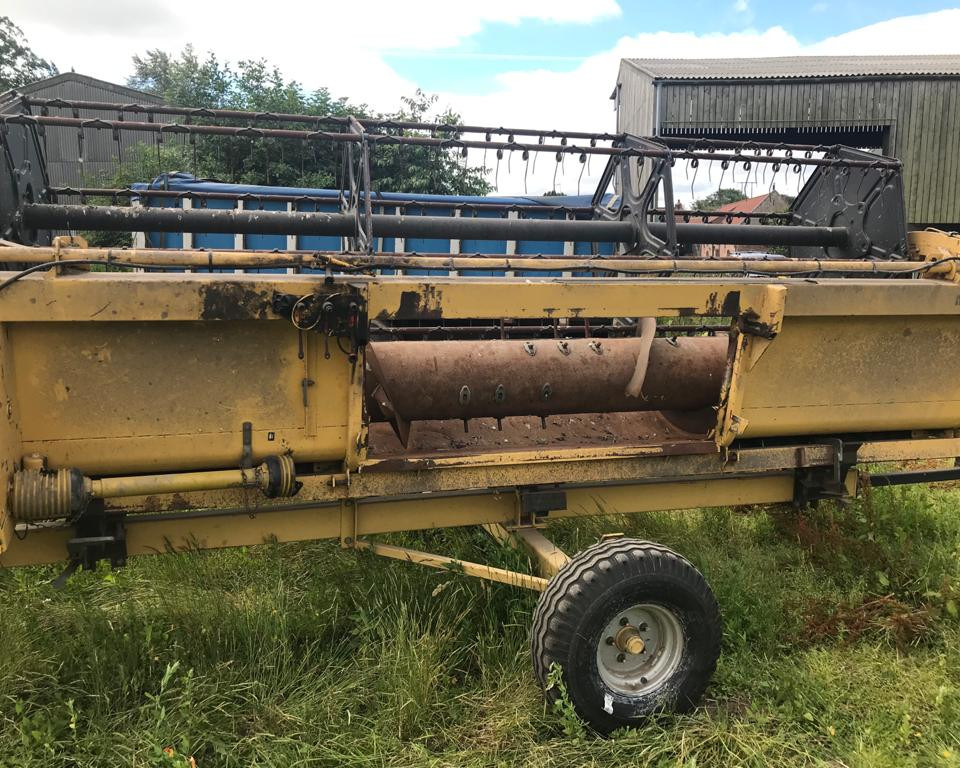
(339, 120)
(268, 197)
(538, 331)
(445, 143)
(488, 572)
(124, 219)
(283, 117)
(185, 482)
(375, 199)
(276, 476)
(197, 259)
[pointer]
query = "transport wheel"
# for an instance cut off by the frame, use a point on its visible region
(634, 629)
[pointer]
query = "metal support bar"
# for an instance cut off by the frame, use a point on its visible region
(147, 257)
(116, 218)
(281, 117)
(909, 477)
(501, 575)
(550, 558)
(651, 150)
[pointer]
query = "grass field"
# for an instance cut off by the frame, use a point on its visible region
(842, 648)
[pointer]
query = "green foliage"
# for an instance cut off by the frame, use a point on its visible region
(310, 655)
(723, 196)
(19, 65)
(573, 727)
(255, 85)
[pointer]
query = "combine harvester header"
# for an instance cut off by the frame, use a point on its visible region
(162, 403)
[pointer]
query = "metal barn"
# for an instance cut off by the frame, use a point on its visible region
(78, 158)
(904, 106)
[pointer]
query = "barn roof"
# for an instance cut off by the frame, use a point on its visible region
(124, 93)
(797, 66)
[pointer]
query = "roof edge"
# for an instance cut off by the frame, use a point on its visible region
(65, 77)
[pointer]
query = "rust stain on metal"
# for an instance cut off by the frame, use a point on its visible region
(731, 305)
(424, 303)
(232, 301)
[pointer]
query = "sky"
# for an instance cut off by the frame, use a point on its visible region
(540, 63)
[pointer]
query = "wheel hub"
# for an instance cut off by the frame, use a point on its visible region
(628, 639)
(639, 649)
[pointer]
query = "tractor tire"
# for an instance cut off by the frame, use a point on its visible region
(633, 628)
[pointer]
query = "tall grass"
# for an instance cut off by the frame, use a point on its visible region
(842, 648)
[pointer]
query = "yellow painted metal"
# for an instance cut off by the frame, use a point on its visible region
(551, 298)
(244, 259)
(246, 370)
(10, 447)
(116, 487)
(855, 374)
(904, 450)
(128, 297)
(418, 478)
(939, 247)
(131, 397)
(501, 575)
(297, 520)
(549, 557)
(116, 373)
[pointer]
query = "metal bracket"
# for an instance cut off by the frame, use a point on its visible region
(535, 502)
(98, 538)
(246, 454)
(635, 205)
(813, 484)
(342, 314)
(750, 324)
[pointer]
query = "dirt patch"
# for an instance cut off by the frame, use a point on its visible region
(904, 623)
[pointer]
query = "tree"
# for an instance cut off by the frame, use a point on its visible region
(19, 65)
(723, 196)
(255, 85)
(421, 169)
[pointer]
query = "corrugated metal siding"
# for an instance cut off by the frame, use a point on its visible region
(636, 106)
(921, 119)
(798, 66)
(100, 152)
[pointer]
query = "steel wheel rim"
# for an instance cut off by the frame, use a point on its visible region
(640, 673)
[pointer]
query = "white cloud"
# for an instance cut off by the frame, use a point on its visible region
(926, 33)
(579, 99)
(340, 46)
(741, 6)
(337, 45)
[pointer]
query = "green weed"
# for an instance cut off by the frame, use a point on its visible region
(842, 648)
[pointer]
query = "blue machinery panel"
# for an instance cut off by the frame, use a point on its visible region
(387, 202)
